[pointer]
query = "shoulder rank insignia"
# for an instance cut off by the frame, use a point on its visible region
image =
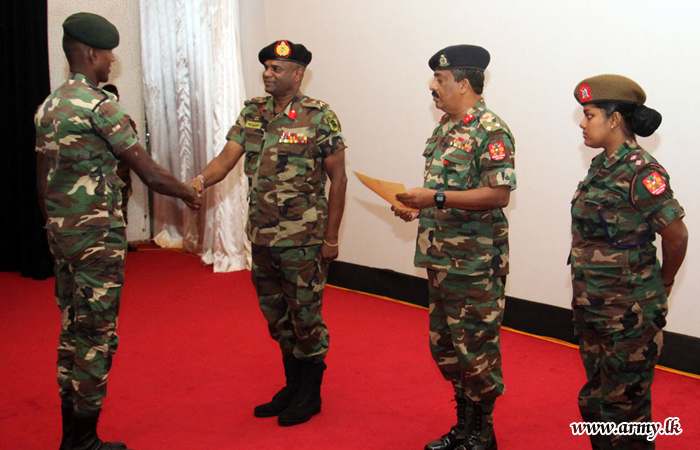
(654, 183)
(497, 151)
(459, 143)
(292, 138)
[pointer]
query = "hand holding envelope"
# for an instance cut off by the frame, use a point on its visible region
(386, 190)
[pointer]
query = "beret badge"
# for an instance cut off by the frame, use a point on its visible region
(443, 62)
(585, 93)
(282, 49)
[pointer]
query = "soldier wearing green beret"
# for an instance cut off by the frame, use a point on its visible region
(292, 145)
(463, 241)
(81, 134)
(619, 288)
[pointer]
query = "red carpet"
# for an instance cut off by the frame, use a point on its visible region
(195, 358)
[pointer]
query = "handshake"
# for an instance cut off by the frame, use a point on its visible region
(194, 200)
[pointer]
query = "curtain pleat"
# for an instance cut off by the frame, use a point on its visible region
(194, 90)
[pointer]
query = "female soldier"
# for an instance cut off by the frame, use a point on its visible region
(620, 290)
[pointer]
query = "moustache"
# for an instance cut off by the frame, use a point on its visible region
(435, 94)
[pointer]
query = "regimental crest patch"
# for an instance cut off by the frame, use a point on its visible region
(282, 49)
(497, 151)
(332, 120)
(584, 93)
(292, 138)
(655, 183)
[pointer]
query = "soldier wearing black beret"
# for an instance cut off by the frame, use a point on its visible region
(619, 288)
(291, 145)
(463, 241)
(81, 134)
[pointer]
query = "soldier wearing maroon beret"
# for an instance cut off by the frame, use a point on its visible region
(619, 288)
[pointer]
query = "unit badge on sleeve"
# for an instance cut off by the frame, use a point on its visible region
(497, 151)
(654, 183)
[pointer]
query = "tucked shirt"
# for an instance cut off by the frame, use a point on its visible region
(617, 210)
(284, 155)
(82, 130)
(472, 152)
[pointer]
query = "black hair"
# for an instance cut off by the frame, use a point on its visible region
(71, 48)
(475, 78)
(639, 120)
(111, 88)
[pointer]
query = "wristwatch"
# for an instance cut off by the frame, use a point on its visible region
(440, 198)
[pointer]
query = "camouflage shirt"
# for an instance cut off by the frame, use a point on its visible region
(477, 151)
(616, 212)
(284, 156)
(82, 129)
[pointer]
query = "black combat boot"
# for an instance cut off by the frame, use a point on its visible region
(85, 434)
(67, 419)
(481, 435)
(457, 433)
(281, 400)
(307, 402)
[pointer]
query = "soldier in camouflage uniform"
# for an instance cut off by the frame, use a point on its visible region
(619, 288)
(81, 134)
(463, 241)
(291, 143)
(123, 172)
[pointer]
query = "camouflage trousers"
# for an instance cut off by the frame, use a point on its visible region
(289, 282)
(465, 326)
(620, 344)
(89, 276)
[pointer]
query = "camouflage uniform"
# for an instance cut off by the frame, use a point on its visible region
(619, 300)
(466, 252)
(81, 130)
(288, 212)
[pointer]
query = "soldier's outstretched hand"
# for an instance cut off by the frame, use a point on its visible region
(405, 215)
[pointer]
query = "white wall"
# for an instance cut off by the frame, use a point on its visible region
(370, 64)
(126, 75)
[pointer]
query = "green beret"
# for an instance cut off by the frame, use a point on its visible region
(460, 57)
(609, 88)
(284, 50)
(92, 30)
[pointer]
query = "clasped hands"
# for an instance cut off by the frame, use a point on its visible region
(196, 200)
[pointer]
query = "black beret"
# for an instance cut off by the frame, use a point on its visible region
(609, 88)
(460, 57)
(92, 30)
(285, 50)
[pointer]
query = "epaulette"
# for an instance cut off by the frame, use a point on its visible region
(490, 122)
(640, 159)
(256, 100)
(313, 103)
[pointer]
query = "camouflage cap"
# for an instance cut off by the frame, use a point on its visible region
(92, 30)
(460, 57)
(284, 50)
(609, 88)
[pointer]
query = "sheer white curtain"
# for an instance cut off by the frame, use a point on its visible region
(193, 86)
